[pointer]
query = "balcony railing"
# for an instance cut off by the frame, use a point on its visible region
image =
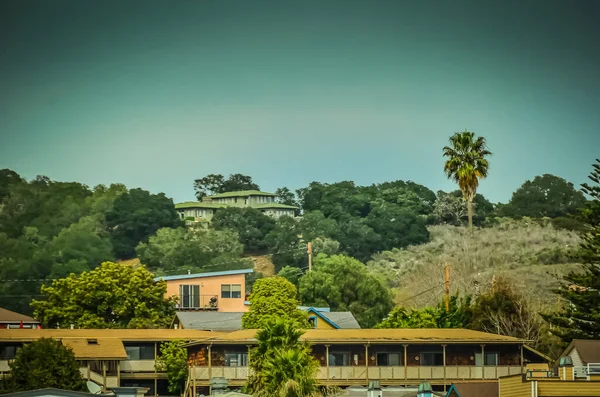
(137, 366)
(376, 373)
(202, 302)
(585, 371)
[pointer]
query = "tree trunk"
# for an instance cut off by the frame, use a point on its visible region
(470, 208)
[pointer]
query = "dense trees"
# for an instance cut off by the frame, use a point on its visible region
(466, 163)
(459, 315)
(580, 317)
(180, 250)
(110, 296)
(173, 361)
(273, 297)
(216, 183)
(250, 224)
(544, 196)
(45, 363)
(345, 284)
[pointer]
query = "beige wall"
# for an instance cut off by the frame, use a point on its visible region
(211, 286)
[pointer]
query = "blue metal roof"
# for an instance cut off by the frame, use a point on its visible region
(199, 275)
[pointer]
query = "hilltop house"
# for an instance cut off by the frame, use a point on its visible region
(206, 208)
(214, 291)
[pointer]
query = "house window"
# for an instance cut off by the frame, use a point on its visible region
(8, 352)
(236, 359)
(388, 359)
(231, 290)
(189, 296)
(312, 321)
(432, 358)
(491, 359)
(139, 351)
(339, 359)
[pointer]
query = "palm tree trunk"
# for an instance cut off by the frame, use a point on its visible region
(470, 209)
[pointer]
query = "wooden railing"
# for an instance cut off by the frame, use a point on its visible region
(137, 366)
(375, 373)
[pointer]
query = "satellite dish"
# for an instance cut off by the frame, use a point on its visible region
(93, 388)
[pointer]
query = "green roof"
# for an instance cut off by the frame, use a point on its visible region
(274, 205)
(242, 193)
(198, 204)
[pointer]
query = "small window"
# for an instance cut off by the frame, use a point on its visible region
(432, 358)
(236, 359)
(92, 341)
(225, 291)
(491, 359)
(388, 359)
(312, 321)
(339, 359)
(231, 290)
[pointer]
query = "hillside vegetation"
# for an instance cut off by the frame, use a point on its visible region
(534, 254)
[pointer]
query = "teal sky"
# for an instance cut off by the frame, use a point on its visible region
(156, 93)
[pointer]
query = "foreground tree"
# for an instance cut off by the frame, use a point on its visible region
(345, 284)
(45, 363)
(282, 365)
(273, 297)
(580, 318)
(173, 361)
(459, 315)
(466, 163)
(110, 296)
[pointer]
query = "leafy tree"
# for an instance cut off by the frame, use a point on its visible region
(251, 225)
(282, 365)
(408, 195)
(173, 361)
(396, 226)
(345, 284)
(194, 249)
(358, 239)
(449, 209)
(273, 297)
(291, 274)
(216, 183)
(466, 163)
(337, 200)
(284, 243)
(283, 195)
(314, 224)
(8, 178)
(544, 196)
(580, 318)
(458, 316)
(135, 216)
(45, 363)
(110, 296)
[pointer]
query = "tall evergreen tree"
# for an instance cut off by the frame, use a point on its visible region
(580, 318)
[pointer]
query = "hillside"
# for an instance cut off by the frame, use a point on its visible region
(532, 254)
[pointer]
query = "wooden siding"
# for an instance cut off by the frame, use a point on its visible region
(513, 386)
(558, 388)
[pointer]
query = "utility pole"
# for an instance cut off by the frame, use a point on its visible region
(447, 288)
(309, 250)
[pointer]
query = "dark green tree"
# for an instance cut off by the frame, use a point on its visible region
(291, 274)
(45, 363)
(285, 245)
(544, 196)
(250, 224)
(396, 226)
(135, 216)
(345, 284)
(580, 318)
(8, 178)
(283, 195)
(173, 361)
(216, 183)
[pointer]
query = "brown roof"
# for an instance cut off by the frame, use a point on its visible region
(588, 350)
(7, 316)
(150, 335)
(477, 389)
(100, 348)
(430, 335)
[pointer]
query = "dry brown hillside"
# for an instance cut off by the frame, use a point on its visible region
(263, 264)
(532, 254)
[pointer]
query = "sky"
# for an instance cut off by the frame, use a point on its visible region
(154, 94)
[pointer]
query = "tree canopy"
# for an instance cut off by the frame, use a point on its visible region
(110, 296)
(45, 363)
(544, 196)
(250, 224)
(344, 284)
(173, 361)
(459, 315)
(273, 297)
(216, 183)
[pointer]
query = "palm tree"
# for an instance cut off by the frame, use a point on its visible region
(466, 164)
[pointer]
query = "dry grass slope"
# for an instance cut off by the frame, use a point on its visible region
(533, 254)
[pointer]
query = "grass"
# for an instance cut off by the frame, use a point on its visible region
(532, 253)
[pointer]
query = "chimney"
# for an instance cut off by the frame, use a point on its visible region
(565, 368)
(130, 391)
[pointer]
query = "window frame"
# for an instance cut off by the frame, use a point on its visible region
(234, 291)
(192, 300)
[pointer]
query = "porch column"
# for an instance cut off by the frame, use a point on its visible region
(155, 371)
(119, 374)
(193, 375)
(444, 354)
(88, 370)
(482, 361)
(367, 363)
(522, 361)
(405, 362)
(327, 360)
(104, 373)
(209, 348)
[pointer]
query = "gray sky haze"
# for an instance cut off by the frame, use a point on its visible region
(154, 94)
